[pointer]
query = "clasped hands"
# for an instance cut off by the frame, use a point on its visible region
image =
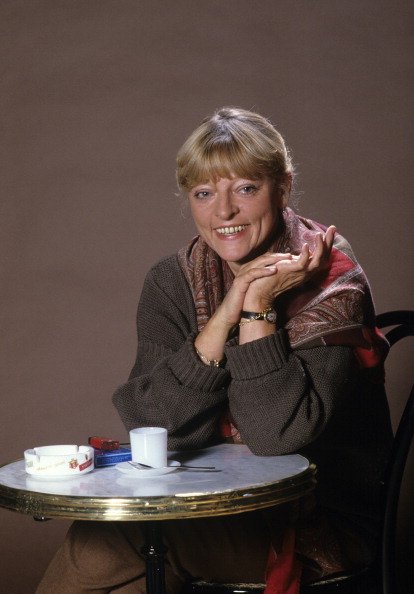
(256, 285)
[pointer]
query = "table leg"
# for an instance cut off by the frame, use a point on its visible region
(154, 551)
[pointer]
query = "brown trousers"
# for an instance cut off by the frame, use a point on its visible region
(102, 557)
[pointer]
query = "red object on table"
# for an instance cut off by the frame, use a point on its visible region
(103, 443)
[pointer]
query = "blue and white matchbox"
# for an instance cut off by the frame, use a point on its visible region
(111, 457)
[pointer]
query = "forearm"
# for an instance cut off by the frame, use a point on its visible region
(210, 342)
(281, 400)
(177, 391)
(169, 386)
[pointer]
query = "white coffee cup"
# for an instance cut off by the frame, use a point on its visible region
(149, 446)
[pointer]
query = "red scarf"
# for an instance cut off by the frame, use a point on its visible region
(333, 308)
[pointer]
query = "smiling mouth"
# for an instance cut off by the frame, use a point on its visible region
(230, 230)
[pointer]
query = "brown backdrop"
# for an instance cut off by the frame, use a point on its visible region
(97, 95)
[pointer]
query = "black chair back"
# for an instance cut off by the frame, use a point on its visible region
(403, 325)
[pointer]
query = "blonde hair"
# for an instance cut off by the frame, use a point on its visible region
(233, 142)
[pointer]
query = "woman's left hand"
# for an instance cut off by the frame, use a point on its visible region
(290, 273)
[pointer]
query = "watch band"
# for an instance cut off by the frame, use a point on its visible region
(268, 315)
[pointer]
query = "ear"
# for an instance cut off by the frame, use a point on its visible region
(284, 190)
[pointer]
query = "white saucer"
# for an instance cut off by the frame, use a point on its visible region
(135, 472)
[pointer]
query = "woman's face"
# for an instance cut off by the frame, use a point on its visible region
(236, 217)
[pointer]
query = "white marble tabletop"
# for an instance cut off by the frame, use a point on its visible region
(242, 481)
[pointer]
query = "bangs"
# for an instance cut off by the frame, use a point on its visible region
(232, 143)
(224, 159)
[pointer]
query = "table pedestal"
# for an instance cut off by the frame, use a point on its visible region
(154, 552)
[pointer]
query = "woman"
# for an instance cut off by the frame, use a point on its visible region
(261, 330)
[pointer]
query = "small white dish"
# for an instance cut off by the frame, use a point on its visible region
(135, 472)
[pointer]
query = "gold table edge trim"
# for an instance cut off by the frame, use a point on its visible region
(47, 505)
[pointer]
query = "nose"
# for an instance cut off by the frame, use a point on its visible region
(225, 205)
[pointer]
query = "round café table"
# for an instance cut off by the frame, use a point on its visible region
(241, 482)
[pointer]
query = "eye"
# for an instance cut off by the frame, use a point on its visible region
(248, 189)
(202, 194)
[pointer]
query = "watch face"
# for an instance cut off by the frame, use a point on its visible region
(270, 316)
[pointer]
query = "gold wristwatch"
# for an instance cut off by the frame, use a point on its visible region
(268, 315)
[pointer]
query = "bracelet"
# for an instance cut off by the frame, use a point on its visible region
(210, 362)
(243, 322)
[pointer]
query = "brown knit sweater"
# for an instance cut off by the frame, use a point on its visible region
(315, 401)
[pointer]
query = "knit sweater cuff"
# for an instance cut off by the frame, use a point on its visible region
(258, 357)
(193, 373)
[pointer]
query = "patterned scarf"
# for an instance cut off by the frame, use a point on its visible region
(335, 307)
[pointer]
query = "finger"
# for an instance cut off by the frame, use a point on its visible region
(304, 256)
(281, 254)
(255, 273)
(319, 246)
(280, 258)
(328, 240)
(267, 259)
(296, 263)
(244, 279)
(320, 252)
(275, 256)
(329, 237)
